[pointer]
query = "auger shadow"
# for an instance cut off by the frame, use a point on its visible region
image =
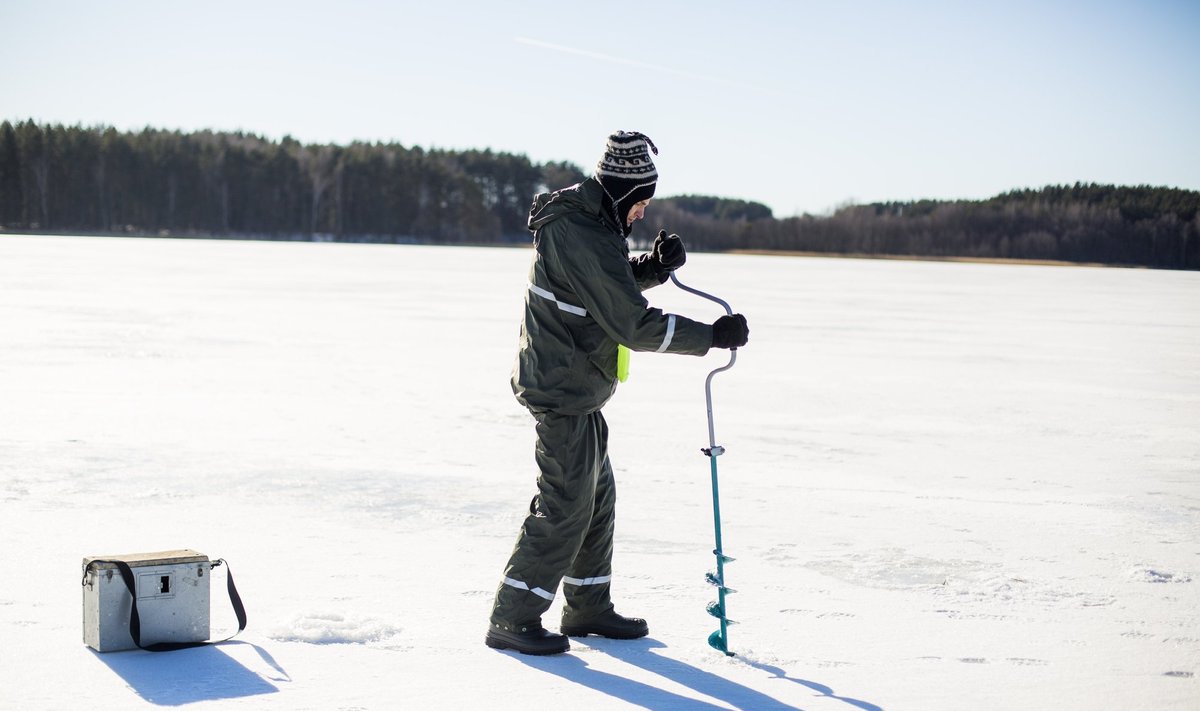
(819, 688)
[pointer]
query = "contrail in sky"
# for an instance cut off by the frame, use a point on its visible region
(635, 63)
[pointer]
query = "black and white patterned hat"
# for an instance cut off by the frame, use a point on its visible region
(626, 171)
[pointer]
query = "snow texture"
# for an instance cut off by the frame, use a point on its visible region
(947, 486)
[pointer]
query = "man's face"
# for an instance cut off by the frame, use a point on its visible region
(637, 212)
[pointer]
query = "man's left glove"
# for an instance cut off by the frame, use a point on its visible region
(668, 253)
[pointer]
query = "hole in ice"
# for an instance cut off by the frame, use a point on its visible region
(1150, 575)
(333, 628)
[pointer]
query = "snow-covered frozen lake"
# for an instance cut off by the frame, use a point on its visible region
(947, 486)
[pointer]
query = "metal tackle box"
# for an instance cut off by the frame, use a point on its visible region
(172, 599)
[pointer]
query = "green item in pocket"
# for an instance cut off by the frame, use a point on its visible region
(622, 363)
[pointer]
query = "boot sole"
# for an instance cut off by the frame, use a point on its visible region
(495, 643)
(610, 634)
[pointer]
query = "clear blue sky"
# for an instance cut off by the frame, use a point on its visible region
(800, 105)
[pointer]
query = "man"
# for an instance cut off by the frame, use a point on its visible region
(584, 299)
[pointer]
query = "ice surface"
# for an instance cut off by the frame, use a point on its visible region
(947, 486)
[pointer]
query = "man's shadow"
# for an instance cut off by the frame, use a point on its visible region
(188, 675)
(638, 653)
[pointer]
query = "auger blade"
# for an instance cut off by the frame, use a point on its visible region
(716, 640)
(723, 558)
(714, 608)
(712, 579)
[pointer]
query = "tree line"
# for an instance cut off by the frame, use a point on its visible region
(57, 178)
(1084, 223)
(76, 179)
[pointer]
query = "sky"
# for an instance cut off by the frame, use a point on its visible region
(803, 106)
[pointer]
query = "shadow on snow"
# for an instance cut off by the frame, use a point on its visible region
(819, 688)
(638, 653)
(189, 675)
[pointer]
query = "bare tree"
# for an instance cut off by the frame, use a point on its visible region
(321, 165)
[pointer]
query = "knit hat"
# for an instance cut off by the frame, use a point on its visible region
(627, 173)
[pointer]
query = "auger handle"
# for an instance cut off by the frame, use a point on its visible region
(712, 439)
(697, 292)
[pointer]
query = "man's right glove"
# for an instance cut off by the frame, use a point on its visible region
(730, 332)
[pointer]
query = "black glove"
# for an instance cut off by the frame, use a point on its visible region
(730, 332)
(668, 252)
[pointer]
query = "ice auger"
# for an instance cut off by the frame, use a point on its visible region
(720, 638)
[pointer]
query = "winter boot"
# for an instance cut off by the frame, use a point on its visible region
(608, 624)
(528, 639)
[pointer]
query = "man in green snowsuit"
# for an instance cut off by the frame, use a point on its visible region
(584, 299)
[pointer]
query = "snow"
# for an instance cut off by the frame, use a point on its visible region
(947, 485)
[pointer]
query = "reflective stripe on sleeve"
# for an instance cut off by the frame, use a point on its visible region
(587, 581)
(670, 333)
(522, 586)
(577, 310)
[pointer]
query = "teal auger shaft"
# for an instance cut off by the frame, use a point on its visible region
(719, 552)
(720, 638)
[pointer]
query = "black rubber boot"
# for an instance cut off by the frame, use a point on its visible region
(532, 639)
(608, 624)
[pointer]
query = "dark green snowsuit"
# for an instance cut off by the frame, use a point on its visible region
(584, 298)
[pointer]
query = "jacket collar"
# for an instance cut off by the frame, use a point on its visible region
(586, 197)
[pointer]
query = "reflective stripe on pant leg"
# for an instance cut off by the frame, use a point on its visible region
(523, 586)
(587, 581)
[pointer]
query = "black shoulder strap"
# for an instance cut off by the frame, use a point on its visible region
(135, 622)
